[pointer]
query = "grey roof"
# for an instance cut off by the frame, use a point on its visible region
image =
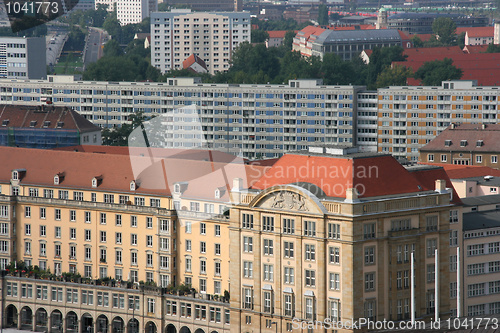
(481, 200)
(333, 36)
(415, 16)
(495, 181)
(481, 220)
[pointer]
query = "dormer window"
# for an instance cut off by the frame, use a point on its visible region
(447, 143)
(18, 174)
(46, 124)
(33, 123)
(15, 175)
(133, 185)
(463, 143)
(479, 143)
(60, 124)
(56, 180)
(5, 122)
(96, 181)
(217, 194)
(177, 188)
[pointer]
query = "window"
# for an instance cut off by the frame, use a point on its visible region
(188, 264)
(133, 258)
(151, 305)
(268, 272)
(88, 218)
(453, 216)
(369, 231)
(310, 278)
(289, 305)
(203, 228)
(103, 236)
(370, 255)
(203, 247)
(187, 227)
(247, 244)
(333, 231)
(268, 223)
(431, 246)
(334, 255)
(139, 201)
(43, 213)
(57, 232)
(72, 215)
(334, 281)
(88, 235)
(289, 275)
(309, 228)
(217, 249)
(443, 158)
(203, 266)
(431, 223)
(494, 159)
(203, 285)
(217, 230)
(57, 214)
(369, 281)
(27, 229)
(27, 211)
(247, 298)
(247, 269)
(268, 247)
(43, 231)
(247, 221)
(133, 221)
(103, 218)
(288, 226)
(431, 270)
(133, 239)
(288, 249)
(194, 206)
(310, 252)
(149, 241)
(268, 307)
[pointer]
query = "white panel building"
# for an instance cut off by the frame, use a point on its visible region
(22, 58)
(130, 11)
(211, 36)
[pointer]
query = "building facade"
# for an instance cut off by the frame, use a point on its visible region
(129, 12)
(211, 36)
(46, 127)
(301, 245)
(22, 58)
(465, 144)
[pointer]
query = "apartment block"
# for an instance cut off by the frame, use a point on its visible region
(410, 117)
(129, 12)
(212, 36)
(22, 58)
(256, 120)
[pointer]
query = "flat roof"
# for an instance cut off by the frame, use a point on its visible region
(481, 220)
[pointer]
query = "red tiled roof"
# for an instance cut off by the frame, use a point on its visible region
(278, 33)
(117, 171)
(474, 32)
(373, 176)
(191, 60)
(483, 67)
(475, 48)
(427, 178)
(490, 137)
(45, 116)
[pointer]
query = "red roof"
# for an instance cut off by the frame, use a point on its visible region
(278, 33)
(191, 60)
(428, 176)
(117, 171)
(455, 171)
(475, 48)
(372, 175)
(44, 117)
(475, 32)
(483, 67)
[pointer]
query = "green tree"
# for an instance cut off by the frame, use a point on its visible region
(492, 48)
(432, 73)
(258, 36)
(112, 49)
(461, 40)
(445, 29)
(118, 136)
(393, 76)
(417, 41)
(113, 26)
(323, 14)
(288, 40)
(380, 59)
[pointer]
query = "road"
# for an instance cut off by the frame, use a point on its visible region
(54, 44)
(93, 48)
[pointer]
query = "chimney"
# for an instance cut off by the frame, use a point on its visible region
(237, 185)
(441, 186)
(351, 195)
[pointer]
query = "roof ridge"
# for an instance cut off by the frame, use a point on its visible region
(25, 116)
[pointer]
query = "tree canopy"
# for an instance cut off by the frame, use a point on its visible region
(323, 14)
(432, 73)
(445, 29)
(118, 136)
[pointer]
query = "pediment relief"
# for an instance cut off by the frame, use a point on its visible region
(288, 201)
